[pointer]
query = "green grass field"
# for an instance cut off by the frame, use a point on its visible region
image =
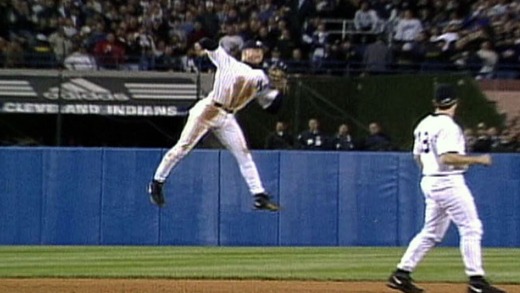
(312, 263)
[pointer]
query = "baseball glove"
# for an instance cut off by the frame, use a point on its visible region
(277, 78)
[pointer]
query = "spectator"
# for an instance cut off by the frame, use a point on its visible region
(376, 57)
(279, 139)
(47, 17)
(244, 30)
(170, 57)
(494, 137)
(351, 55)
(455, 20)
(313, 138)
(20, 21)
(320, 40)
(482, 143)
(208, 19)
(300, 11)
(436, 58)
(489, 58)
(308, 29)
(254, 26)
(407, 27)
(266, 37)
(60, 43)
(508, 50)
(365, 19)
(14, 55)
(286, 43)
(448, 37)
(366, 23)
(334, 60)
(109, 53)
(377, 140)
(425, 16)
(266, 11)
(146, 44)
(508, 143)
(69, 29)
(274, 58)
(80, 59)
(187, 26)
(325, 8)
(343, 140)
(414, 53)
(499, 8)
(196, 34)
(296, 64)
(470, 139)
(386, 9)
(40, 53)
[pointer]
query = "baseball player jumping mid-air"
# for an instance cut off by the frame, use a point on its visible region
(236, 84)
(439, 150)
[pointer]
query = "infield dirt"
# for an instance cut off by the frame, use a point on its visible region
(210, 286)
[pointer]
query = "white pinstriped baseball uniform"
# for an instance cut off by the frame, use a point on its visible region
(216, 113)
(446, 195)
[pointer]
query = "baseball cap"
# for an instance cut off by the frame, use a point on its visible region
(445, 95)
(252, 44)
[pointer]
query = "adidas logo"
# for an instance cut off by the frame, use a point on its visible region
(82, 89)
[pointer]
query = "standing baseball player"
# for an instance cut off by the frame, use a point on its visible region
(439, 150)
(236, 84)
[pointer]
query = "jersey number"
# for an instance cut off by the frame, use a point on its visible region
(425, 142)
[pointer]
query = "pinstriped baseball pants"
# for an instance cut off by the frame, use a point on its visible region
(447, 199)
(202, 118)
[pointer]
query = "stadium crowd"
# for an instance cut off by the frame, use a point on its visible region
(482, 36)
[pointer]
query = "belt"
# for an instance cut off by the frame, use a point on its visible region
(443, 175)
(221, 106)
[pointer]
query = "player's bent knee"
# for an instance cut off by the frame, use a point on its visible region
(473, 230)
(430, 237)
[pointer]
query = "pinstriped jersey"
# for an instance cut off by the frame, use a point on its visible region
(435, 135)
(228, 70)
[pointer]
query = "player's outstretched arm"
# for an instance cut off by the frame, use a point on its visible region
(465, 160)
(216, 54)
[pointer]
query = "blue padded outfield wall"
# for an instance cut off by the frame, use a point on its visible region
(97, 196)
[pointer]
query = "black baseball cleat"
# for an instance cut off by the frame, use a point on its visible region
(482, 286)
(155, 189)
(403, 283)
(263, 202)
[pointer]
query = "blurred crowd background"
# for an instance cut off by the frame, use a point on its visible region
(311, 36)
(327, 37)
